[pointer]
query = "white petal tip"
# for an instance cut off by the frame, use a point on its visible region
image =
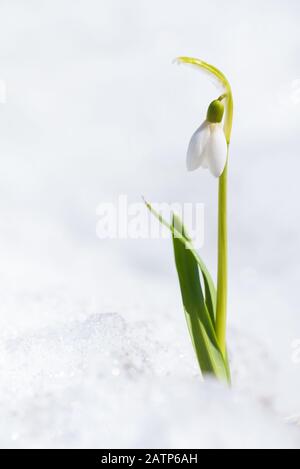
(191, 163)
(217, 173)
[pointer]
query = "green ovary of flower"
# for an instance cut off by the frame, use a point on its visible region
(215, 112)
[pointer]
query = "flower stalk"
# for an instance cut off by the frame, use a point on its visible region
(222, 284)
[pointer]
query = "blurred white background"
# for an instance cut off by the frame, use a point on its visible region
(95, 109)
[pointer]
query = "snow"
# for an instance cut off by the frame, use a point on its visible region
(94, 349)
(102, 382)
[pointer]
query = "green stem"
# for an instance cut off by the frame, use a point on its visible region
(222, 286)
(222, 264)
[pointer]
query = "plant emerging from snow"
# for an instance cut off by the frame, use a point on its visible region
(206, 306)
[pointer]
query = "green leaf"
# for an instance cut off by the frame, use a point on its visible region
(199, 309)
(180, 233)
(199, 322)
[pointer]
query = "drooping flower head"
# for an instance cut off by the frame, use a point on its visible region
(208, 145)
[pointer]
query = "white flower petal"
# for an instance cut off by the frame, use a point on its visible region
(216, 150)
(197, 146)
(204, 163)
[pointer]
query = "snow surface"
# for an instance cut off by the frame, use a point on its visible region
(103, 383)
(94, 349)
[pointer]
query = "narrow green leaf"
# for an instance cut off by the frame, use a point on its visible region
(181, 234)
(199, 310)
(198, 318)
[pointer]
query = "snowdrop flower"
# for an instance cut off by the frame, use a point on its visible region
(208, 145)
(205, 305)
